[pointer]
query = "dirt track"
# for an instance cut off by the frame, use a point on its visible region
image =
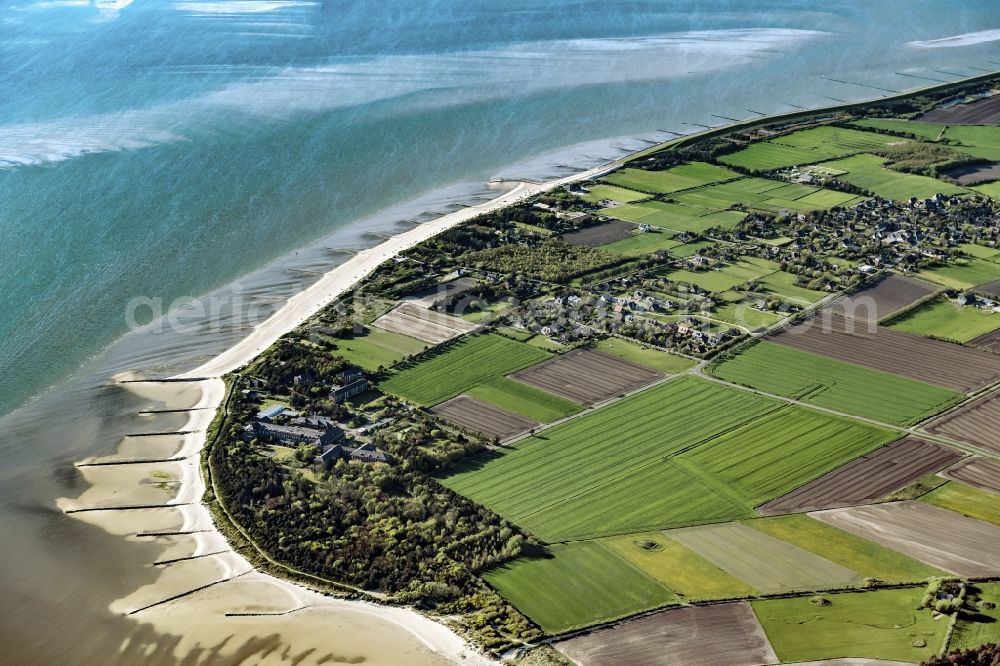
(880, 300)
(695, 636)
(941, 538)
(483, 417)
(941, 363)
(979, 472)
(866, 479)
(977, 423)
(587, 376)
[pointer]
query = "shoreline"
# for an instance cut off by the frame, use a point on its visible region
(433, 634)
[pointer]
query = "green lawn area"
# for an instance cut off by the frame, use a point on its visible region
(610, 472)
(991, 190)
(581, 584)
(771, 455)
(824, 199)
(640, 244)
(470, 361)
(880, 624)
(665, 362)
(691, 249)
(523, 399)
(833, 384)
(678, 216)
(966, 500)
(980, 251)
(784, 286)
(929, 131)
(982, 626)
(945, 319)
(722, 278)
(963, 273)
(866, 557)
(376, 348)
(979, 140)
(866, 171)
(741, 314)
(670, 180)
(682, 570)
(805, 147)
(600, 192)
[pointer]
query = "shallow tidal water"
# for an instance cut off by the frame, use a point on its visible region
(240, 148)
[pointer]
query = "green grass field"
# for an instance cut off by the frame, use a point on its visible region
(774, 454)
(880, 624)
(944, 319)
(963, 273)
(966, 500)
(523, 399)
(978, 140)
(784, 286)
(746, 316)
(677, 217)
(600, 192)
(641, 244)
(979, 251)
(722, 279)
(581, 584)
(805, 147)
(670, 180)
(833, 384)
(983, 626)
(682, 570)
(608, 472)
(866, 557)
(471, 361)
(377, 348)
(929, 131)
(866, 171)
(991, 190)
(691, 249)
(665, 362)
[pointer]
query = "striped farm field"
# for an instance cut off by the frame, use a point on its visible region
(580, 584)
(677, 178)
(609, 472)
(772, 455)
(868, 172)
(836, 385)
(471, 361)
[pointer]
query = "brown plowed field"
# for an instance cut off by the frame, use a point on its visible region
(941, 363)
(599, 234)
(941, 538)
(483, 417)
(988, 342)
(427, 325)
(438, 294)
(977, 423)
(587, 376)
(866, 479)
(989, 289)
(982, 112)
(695, 636)
(979, 472)
(880, 300)
(975, 173)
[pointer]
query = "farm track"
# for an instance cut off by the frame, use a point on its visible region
(941, 363)
(690, 636)
(867, 478)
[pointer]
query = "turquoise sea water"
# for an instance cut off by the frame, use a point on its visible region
(162, 149)
(157, 149)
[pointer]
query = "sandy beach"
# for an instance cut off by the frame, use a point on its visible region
(209, 580)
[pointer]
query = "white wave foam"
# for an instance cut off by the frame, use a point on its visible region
(966, 39)
(429, 81)
(231, 7)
